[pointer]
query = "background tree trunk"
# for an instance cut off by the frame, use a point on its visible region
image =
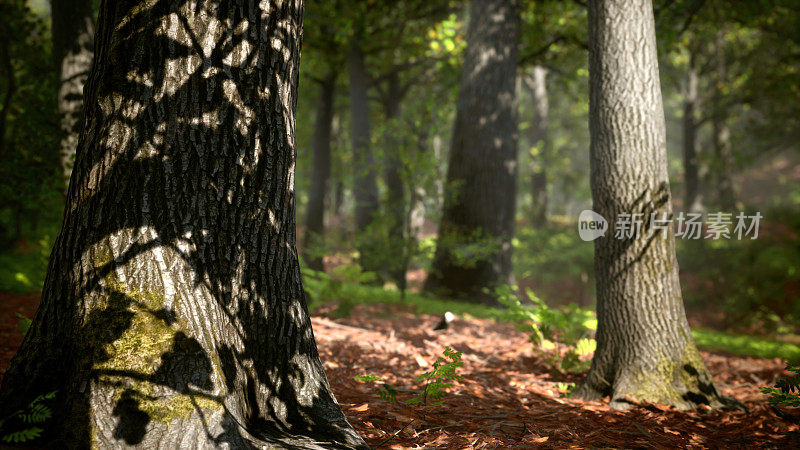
(693, 199)
(320, 172)
(537, 85)
(474, 247)
(365, 187)
(645, 349)
(73, 39)
(172, 314)
(394, 258)
(723, 157)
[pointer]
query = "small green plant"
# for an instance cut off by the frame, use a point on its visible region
(24, 323)
(437, 382)
(439, 379)
(565, 389)
(547, 326)
(28, 420)
(786, 391)
(385, 391)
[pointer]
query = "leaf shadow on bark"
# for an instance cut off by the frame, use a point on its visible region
(218, 196)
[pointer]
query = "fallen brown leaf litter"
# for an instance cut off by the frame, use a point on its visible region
(509, 397)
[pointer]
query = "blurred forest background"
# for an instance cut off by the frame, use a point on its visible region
(382, 117)
(377, 103)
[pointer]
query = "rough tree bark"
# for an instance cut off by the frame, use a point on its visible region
(474, 247)
(723, 158)
(321, 169)
(73, 39)
(172, 314)
(365, 187)
(537, 85)
(693, 199)
(645, 349)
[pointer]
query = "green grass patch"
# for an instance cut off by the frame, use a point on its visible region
(744, 345)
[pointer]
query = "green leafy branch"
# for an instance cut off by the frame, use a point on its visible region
(787, 390)
(33, 415)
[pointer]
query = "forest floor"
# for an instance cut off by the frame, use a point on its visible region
(510, 395)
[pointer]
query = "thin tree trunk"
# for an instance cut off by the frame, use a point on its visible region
(693, 199)
(73, 39)
(320, 172)
(394, 253)
(10, 88)
(537, 84)
(474, 248)
(723, 156)
(365, 188)
(172, 314)
(645, 349)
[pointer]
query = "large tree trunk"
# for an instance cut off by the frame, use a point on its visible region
(537, 85)
(172, 314)
(73, 39)
(474, 248)
(645, 349)
(693, 199)
(320, 172)
(723, 157)
(394, 258)
(365, 188)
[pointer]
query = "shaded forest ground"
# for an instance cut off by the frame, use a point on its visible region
(511, 395)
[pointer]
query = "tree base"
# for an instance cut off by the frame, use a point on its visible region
(685, 389)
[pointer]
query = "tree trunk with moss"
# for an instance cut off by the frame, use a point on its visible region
(645, 349)
(473, 252)
(172, 314)
(73, 39)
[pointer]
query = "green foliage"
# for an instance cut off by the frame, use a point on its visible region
(570, 326)
(745, 345)
(437, 381)
(24, 323)
(786, 391)
(27, 420)
(556, 261)
(751, 279)
(30, 181)
(323, 286)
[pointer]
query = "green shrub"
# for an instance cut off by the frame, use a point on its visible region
(570, 326)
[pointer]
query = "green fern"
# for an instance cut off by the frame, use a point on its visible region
(787, 390)
(546, 326)
(438, 380)
(35, 413)
(25, 435)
